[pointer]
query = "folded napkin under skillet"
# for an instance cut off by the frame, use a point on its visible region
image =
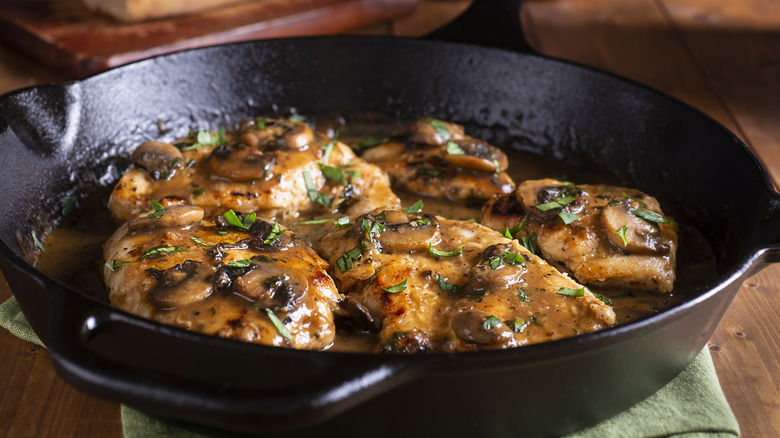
(691, 405)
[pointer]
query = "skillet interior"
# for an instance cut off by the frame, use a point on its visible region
(63, 139)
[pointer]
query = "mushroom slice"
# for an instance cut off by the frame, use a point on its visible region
(239, 163)
(182, 284)
(546, 202)
(499, 266)
(435, 132)
(475, 155)
(641, 236)
(157, 158)
(272, 285)
(479, 327)
(176, 216)
(405, 232)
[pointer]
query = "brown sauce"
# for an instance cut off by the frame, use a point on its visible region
(75, 248)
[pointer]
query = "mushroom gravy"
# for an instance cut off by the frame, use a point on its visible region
(74, 249)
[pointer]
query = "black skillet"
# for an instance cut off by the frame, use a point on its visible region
(64, 139)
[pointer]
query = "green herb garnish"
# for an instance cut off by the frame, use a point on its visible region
(523, 294)
(491, 322)
(314, 195)
(530, 243)
(276, 232)
(38, 243)
(509, 233)
(454, 148)
(345, 261)
(338, 175)
(602, 298)
(278, 324)
(622, 233)
(571, 292)
(371, 142)
(159, 211)
(198, 241)
(517, 324)
(400, 287)
(117, 263)
(206, 138)
(243, 263)
(446, 286)
(440, 127)
(197, 192)
(68, 204)
(161, 250)
(558, 203)
(568, 217)
(327, 148)
(414, 208)
(244, 223)
(650, 216)
(438, 253)
(260, 122)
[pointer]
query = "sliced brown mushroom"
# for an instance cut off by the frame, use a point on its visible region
(177, 216)
(538, 198)
(500, 266)
(435, 132)
(183, 284)
(400, 231)
(474, 326)
(157, 158)
(240, 163)
(476, 155)
(272, 285)
(641, 236)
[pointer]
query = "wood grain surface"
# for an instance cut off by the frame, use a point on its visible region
(721, 57)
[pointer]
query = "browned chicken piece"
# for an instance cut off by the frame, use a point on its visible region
(603, 235)
(429, 284)
(438, 159)
(239, 277)
(276, 168)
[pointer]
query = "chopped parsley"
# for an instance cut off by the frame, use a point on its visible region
(117, 263)
(338, 175)
(414, 208)
(198, 241)
(400, 287)
(497, 166)
(558, 203)
(530, 243)
(454, 148)
(622, 233)
(339, 221)
(372, 229)
(276, 232)
(509, 233)
(161, 250)
(244, 223)
(523, 294)
(328, 147)
(491, 322)
(260, 122)
(314, 195)
(197, 192)
(278, 324)
(602, 298)
(371, 142)
(243, 263)
(345, 261)
(571, 292)
(440, 127)
(446, 286)
(68, 204)
(438, 253)
(159, 211)
(517, 324)
(568, 218)
(510, 257)
(207, 138)
(38, 243)
(650, 216)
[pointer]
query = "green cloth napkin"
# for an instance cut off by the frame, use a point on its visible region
(691, 405)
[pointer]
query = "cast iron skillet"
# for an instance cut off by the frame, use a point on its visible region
(64, 139)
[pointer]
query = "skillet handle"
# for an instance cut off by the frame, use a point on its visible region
(150, 366)
(493, 23)
(766, 234)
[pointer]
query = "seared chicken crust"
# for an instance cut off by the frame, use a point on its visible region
(603, 235)
(255, 282)
(429, 284)
(275, 168)
(438, 159)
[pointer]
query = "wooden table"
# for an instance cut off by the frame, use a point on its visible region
(722, 57)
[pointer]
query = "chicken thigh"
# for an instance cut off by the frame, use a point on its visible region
(604, 235)
(429, 284)
(438, 159)
(276, 168)
(239, 277)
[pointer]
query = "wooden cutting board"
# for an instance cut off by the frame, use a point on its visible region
(67, 37)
